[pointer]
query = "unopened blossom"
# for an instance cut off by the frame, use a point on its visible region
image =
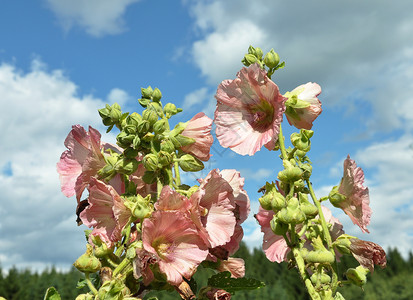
(303, 95)
(173, 239)
(355, 202)
(217, 294)
(141, 265)
(249, 111)
(236, 266)
(199, 129)
(368, 254)
(213, 210)
(106, 212)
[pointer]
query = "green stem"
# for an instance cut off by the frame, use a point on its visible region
(123, 264)
(90, 284)
(159, 186)
(177, 175)
(304, 275)
(326, 232)
(282, 144)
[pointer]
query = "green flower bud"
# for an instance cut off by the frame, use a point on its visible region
(147, 93)
(320, 278)
(320, 256)
(258, 53)
(133, 119)
(124, 139)
(136, 142)
(249, 59)
(291, 173)
(309, 209)
(150, 115)
(130, 153)
(143, 127)
(144, 102)
(100, 248)
(170, 110)
(150, 162)
(164, 158)
(291, 214)
(178, 129)
(127, 166)
(115, 115)
(167, 146)
(271, 59)
(112, 290)
(189, 163)
(184, 140)
(156, 95)
(279, 228)
(300, 143)
(307, 170)
(265, 201)
(140, 207)
(148, 137)
(160, 126)
(343, 243)
(104, 112)
(335, 197)
(83, 297)
(87, 262)
(357, 276)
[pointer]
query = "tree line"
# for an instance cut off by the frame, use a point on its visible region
(393, 282)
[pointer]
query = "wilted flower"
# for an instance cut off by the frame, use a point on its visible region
(199, 129)
(368, 254)
(355, 202)
(249, 111)
(236, 266)
(303, 106)
(173, 239)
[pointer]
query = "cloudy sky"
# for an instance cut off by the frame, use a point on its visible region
(61, 60)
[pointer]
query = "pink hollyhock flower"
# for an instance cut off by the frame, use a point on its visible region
(173, 239)
(141, 265)
(356, 201)
(213, 210)
(199, 128)
(242, 201)
(172, 200)
(249, 111)
(368, 254)
(82, 160)
(236, 266)
(274, 246)
(303, 117)
(142, 188)
(106, 212)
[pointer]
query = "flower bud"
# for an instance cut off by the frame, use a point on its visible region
(357, 276)
(258, 53)
(87, 262)
(134, 119)
(279, 228)
(320, 278)
(100, 248)
(265, 202)
(143, 127)
(150, 115)
(156, 95)
(124, 139)
(167, 146)
(170, 110)
(320, 254)
(127, 166)
(159, 126)
(291, 214)
(309, 209)
(147, 93)
(140, 207)
(189, 163)
(307, 170)
(130, 153)
(84, 297)
(249, 59)
(291, 173)
(150, 162)
(343, 243)
(271, 59)
(335, 197)
(136, 142)
(115, 115)
(300, 143)
(164, 158)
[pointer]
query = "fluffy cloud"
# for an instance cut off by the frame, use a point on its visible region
(360, 52)
(37, 222)
(97, 17)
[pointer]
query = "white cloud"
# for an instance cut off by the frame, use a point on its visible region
(97, 17)
(195, 98)
(37, 222)
(360, 52)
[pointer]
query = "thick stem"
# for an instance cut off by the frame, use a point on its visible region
(282, 144)
(304, 275)
(90, 284)
(177, 175)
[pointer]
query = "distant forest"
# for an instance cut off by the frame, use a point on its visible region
(393, 282)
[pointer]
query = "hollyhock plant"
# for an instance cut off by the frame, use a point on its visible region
(249, 111)
(106, 212)
(199, 129)
(367, 253)
(351, 196)
(173, 239)
(303, 106)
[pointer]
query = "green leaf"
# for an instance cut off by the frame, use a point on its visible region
(81, 284)
(224, 281)
(52, 294)
(280, 66)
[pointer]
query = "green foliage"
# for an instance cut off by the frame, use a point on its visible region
(393, 282)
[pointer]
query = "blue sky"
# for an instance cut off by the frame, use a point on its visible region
(61, 60)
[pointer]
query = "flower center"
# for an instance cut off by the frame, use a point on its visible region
(162, 247)
(262, 115)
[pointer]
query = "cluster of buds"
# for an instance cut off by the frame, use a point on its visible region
(148, 229)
